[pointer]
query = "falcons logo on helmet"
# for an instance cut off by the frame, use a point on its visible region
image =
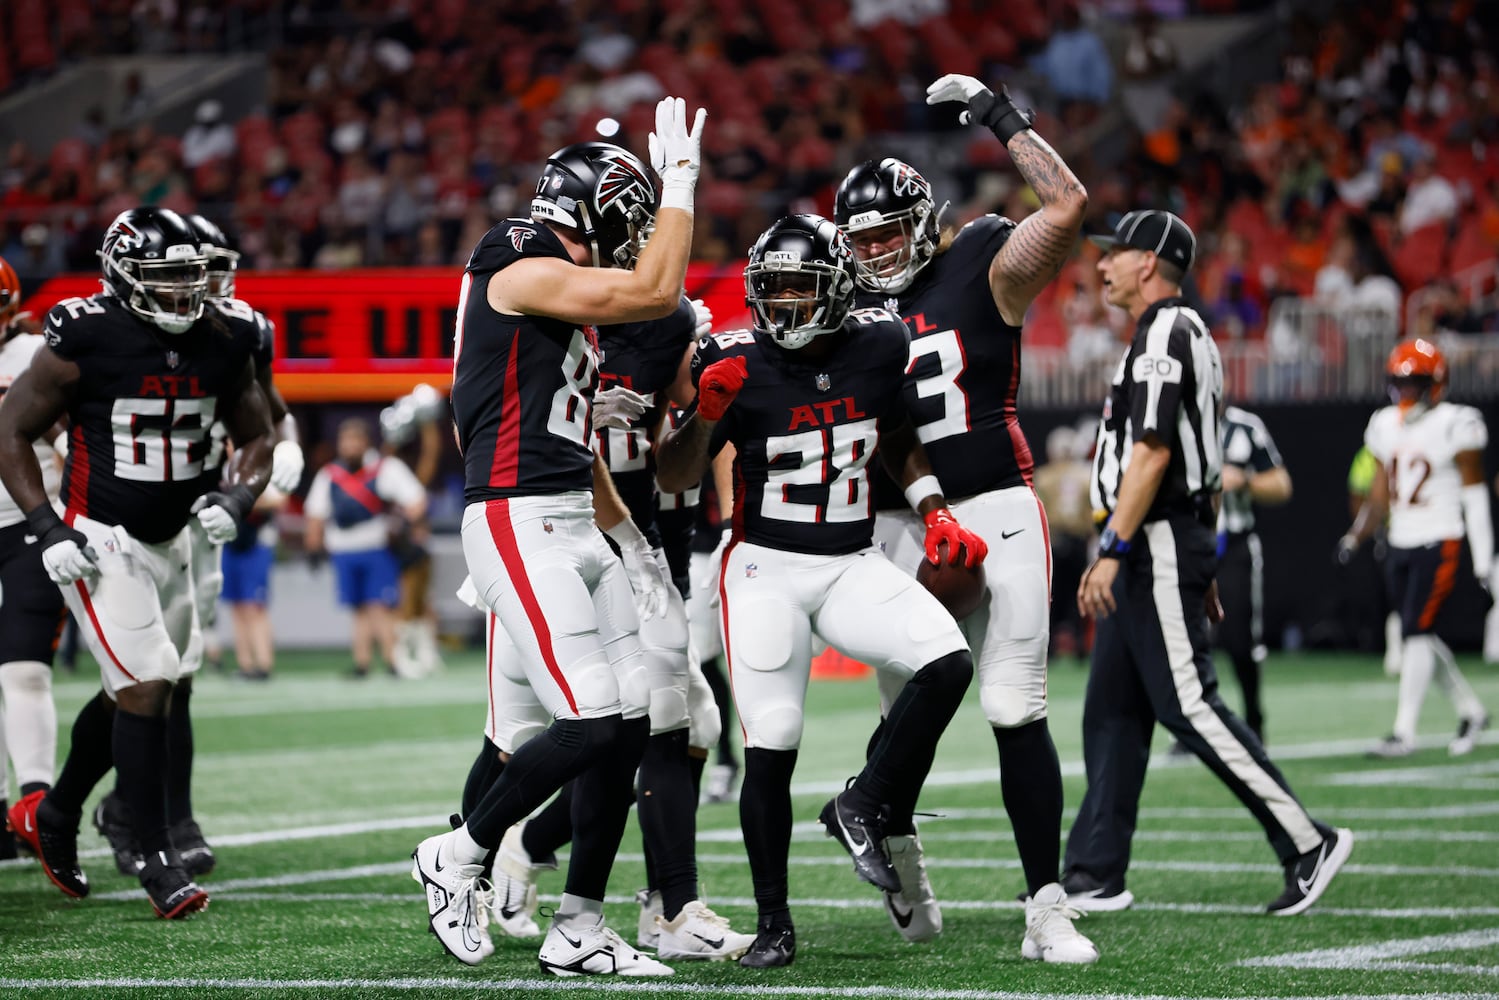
(624, 184)
(122, 238)
(907, 181)
(518, 236)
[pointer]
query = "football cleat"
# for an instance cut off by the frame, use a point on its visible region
(1308, 875)
(863, 836)
(914, 909)
(583, 950)
(112, 820)
(197, 856)
(773, 948)
(1049, 933)
(698, 932)
(1086, 893)
(172, 891)
(646, 932)
(721, 782)
(515, 877)
(1468, 731)
(1392, 746)
(54, 844)
(458, 902)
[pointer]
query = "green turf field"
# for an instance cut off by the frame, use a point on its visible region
(315, 789)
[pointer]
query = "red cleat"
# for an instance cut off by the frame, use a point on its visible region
(54, 846)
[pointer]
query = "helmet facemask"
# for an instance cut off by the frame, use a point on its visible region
(222, 265)
(166, 293)
(794, 301)
(1412, 394)
(892, 271)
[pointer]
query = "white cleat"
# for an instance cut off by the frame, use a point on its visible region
(1468, 731)
(1392, 747)
(699, 933)
(515, 877)
(582, 950)
(1049, 933)
(458, 901)
(646, 931)
(913, 910)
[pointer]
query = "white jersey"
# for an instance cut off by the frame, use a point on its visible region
(395, 483)
(15, 357)
(1418, 455)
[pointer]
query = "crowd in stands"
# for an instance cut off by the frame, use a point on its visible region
(395, 132)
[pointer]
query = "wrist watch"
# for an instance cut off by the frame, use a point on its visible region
(1111, 546)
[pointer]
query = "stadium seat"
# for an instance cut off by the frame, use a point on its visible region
(1472, 248)
(1421, 256)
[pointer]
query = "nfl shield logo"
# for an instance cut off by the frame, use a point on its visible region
(824, 383)
(546, 526)
(751, 570)
(172, 359)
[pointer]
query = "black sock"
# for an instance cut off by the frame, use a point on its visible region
(179, 772)
(140, 750)
(908, 739)
(698, 765)
(713, 674)
(29, 787)
(601, 807)
(483, 773)
(765, 818)
(1247, 669)
(90, 756)
(668, 819)
(552, 828)
(1030, 779)
(536, 770)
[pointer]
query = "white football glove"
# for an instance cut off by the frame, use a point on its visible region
(704, 318)
(617, 407)
(66, 554)
(676, 153)
(286, 466)
(715, 568)
(220, 513)
(469, 595)
(640, 567)
(957, 87)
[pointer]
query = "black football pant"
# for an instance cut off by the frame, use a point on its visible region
(1241, 589)
(1151, 664)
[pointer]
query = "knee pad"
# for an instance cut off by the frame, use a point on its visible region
(668, 708)
(1012, 682)
(25, 678)
(774, 727)
(704, 724)
(588, 737)
(950, 674)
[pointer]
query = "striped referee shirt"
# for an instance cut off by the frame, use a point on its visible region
(1247, 444)
(1170, 383)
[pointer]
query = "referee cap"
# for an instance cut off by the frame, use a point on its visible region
(1162, 233)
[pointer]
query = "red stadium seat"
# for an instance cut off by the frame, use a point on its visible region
(1472, 247)
(1421, 257)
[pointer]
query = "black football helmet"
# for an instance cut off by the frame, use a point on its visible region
(605, 193)
(154, 265)
(880, 194)
(222, 261)
(800, 280)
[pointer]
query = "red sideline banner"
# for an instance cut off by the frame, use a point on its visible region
(372, 334)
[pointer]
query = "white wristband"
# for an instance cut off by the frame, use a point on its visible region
(678, 195)
(924, 487)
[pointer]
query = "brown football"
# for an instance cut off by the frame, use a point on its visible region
(961, 590)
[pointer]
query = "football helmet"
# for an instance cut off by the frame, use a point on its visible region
(890, 192)
(222, 261)
(1417, 371)
(605, 193)
(10, 297)
(799, 283)
(154, 265)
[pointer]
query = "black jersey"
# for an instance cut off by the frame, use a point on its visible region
(963, 375)
(251, 325)
(805, 433)
(644, 357)
(522, 385)
(143, 412)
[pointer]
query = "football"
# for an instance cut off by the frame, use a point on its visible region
(960, 589)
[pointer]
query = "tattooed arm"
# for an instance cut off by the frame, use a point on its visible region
(1041, 244)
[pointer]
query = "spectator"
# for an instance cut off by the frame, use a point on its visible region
(247, 582)
(209, 138)
(1148, 64)
(1075, 63)
(1430, 198)
(1062, 485)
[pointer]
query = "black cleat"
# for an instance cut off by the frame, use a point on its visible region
(112, 820)
(172, 891)
(1086, 893)
(772, 949)
(197, 856)
(54, 844)
(7, 839)
(863, 836)
(1308, 876)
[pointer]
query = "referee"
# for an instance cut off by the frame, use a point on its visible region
(1157, 473)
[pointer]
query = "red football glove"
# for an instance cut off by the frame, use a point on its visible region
(718, 385)
(941, 527)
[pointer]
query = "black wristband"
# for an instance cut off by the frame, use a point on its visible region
(43, 520)
(242, 500)
(998, 113)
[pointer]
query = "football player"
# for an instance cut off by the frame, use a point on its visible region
(806, 398)
(964, 296)
(1429, 481)
(250, 325)
(143, 373)
(540, 500)
(31, 612)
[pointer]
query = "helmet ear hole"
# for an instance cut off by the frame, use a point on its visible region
(605, 193)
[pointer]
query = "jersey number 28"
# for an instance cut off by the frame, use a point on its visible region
(834, 457)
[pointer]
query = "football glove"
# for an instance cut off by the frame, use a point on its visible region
(997, 113)
(640, 567)
(1346, 550)
(468, 595)
(617, 407)
(66, 554)
(704, 317)
(220, 512)
(286, 466)
(676, 153)
(719, 383)
(941, 527)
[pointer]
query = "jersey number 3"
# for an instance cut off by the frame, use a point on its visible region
(942, 405)
(161, 440)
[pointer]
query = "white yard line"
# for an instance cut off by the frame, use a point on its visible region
(1391, 955)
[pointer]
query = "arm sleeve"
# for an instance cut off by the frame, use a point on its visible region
(1264, 456)
(319, 498)
(1156, 392)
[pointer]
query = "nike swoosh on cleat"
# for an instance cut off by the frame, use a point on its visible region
(709, 941)
(507, 914)
(855, 848)
(29, 827)
(563, 934)
(903, 919)
(1305, 884)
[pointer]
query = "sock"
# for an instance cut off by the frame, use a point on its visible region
(698, 763)
(140, 752)
(483, 773)
(1464, 698)
(90, 756)
(552, 828)
(179, 772)
(765, 818)
(668, 819)
(1030, 780)
(30, 723)
(536, 770)
(723, 697)
(1247, 670)
(461, 848)
(601, 806)
(1416, 667)
(575, 910)
(899, 764)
